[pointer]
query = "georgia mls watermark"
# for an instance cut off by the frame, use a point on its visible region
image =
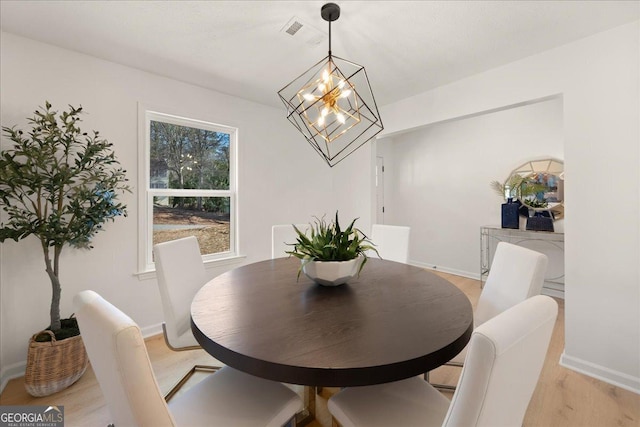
(31, 416)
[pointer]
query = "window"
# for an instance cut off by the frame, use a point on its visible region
(189, 185)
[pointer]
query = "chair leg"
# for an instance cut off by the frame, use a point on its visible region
(192, 371)
(185, 378)
(443, 387)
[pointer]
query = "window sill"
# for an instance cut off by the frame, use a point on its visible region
(208, 264)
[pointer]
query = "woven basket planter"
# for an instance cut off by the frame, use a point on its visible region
(54, 365)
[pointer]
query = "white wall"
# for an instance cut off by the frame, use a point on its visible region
(354, 172)
(598, 78)
(281, 180)
(437, 178)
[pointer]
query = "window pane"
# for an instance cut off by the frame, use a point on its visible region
(207, 218)
(188, 157)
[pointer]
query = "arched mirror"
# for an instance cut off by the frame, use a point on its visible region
(539, 185)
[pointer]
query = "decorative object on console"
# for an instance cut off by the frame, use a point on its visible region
(545, 179)
(510, 216)
(516, 187)
(332, 103)
(342, 253)
(61, 185)
(538, 185)
(540, 221)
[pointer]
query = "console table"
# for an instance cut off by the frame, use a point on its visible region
(549, 243)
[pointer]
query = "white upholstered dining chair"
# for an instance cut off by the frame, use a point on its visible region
(180, 274)
(516, 274)
(503, 364)
(391, 241)
(121, 364)
(283, 234)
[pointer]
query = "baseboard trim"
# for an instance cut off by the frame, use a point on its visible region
(152, 330)
(475, 276)
(18, 369)
(609, 376)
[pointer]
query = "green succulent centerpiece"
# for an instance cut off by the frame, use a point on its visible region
(325, 245)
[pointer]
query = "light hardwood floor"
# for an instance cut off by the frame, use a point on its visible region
(563, 398)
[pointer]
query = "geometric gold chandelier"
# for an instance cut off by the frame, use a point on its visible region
(332, 103)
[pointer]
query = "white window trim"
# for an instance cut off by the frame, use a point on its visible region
(146, 268)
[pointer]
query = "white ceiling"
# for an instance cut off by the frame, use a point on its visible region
(239, 48)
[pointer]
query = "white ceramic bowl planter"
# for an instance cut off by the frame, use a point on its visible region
(332, 273)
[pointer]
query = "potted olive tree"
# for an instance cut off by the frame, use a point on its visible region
(61, 185)
(329, 255)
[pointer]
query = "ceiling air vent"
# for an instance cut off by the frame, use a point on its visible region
(303, 33)
(293, 28)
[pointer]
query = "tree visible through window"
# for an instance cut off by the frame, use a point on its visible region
(190, 182)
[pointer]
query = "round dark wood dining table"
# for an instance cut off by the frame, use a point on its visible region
(392, 322)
